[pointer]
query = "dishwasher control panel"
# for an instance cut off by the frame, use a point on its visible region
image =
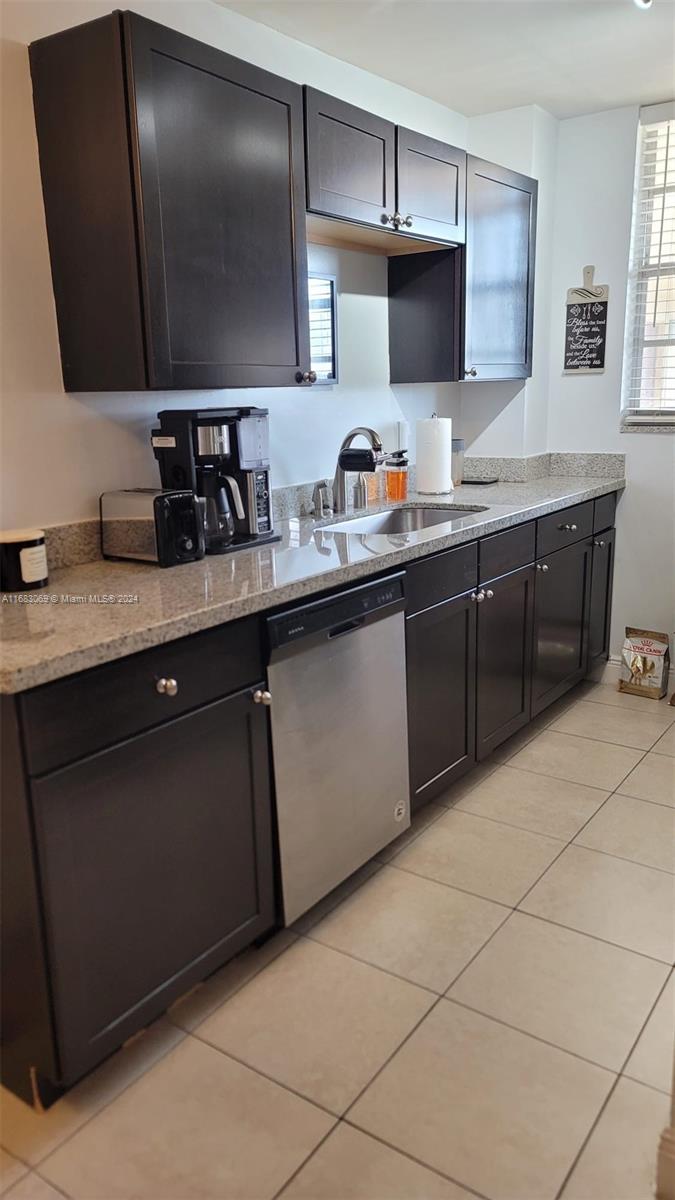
(338, 610)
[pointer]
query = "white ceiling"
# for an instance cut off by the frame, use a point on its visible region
(478, 56)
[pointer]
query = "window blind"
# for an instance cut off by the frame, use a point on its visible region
(323, 351)
(648, 392)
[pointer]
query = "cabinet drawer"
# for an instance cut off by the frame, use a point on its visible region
(441, 577)
(604, 511)
(74, 717)
(562, 528)
(504, 552)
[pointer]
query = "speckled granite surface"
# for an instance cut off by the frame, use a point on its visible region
(604, 466)
(101, 611)
(508, 470)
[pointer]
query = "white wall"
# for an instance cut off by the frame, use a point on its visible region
(60, 451)
(78, 445)
(596, 160)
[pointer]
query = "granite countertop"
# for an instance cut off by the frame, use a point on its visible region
(100, 611)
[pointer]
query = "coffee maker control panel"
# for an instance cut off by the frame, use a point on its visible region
(261, 501)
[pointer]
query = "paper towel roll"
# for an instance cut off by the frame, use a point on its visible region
(434, 456)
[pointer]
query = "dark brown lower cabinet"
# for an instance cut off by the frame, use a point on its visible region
(602, 575)
(441, 657)
(504, 659)
(561, 622)
(155, 859)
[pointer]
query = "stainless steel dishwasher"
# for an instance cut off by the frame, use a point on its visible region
(339, 734)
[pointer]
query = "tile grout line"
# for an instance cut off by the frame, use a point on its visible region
(620, 1075)
(377, 1137)
(329, 1112)
(352, 891)
(455, 886)
(56, 1187)
(587, 848)
(41, 1161)
(234, 991)
(593, 936)
(536, 1037)
(365, 962)
(191, 1032)
(643, 1027)
(636, 862)
(603, 1107)
(386, 862)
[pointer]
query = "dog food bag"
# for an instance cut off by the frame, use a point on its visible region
(645, 659)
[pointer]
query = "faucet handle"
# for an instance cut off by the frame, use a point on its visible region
(321, 499)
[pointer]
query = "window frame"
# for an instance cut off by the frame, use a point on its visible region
(332, 279)
(636, 343)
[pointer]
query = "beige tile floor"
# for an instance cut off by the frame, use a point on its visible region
(486, 1010)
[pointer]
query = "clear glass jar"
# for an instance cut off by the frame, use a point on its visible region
(396, 477)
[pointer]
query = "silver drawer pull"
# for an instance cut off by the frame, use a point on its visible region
(567, 528)
(167, 687)
(260, 697)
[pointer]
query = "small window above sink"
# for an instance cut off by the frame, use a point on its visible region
(323, 326)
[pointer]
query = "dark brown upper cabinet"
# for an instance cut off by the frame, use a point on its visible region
(350, 161)
(430, 187)
(173, 180)
(363, 169)
(466, 313)
(501, 219)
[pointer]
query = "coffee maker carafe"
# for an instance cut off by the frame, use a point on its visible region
(222, 454)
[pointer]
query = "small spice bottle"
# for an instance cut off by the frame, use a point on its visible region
(396, 476)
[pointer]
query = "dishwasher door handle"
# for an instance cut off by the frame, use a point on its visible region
(346, 627)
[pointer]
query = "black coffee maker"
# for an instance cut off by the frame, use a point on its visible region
(222, 455)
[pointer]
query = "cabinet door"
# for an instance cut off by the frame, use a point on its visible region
(350, 161)
(501, 213)
(601, 595)
(218, 152)
(504, 667)
(156, 867)
(430, 186)
(441, 661)
(562, 594)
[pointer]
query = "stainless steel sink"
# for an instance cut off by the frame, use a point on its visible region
(403, 520)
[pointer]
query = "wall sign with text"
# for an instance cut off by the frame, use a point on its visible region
(586, 327)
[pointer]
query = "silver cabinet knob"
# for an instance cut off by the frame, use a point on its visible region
(489, 595)
(597, 543)
(480, 597)
(472, 372)
(260, 697)
(305, 377)
(542, 566)
(573, 528)
(566, 528)
(474, 597)
(407, 221)
(167, 687)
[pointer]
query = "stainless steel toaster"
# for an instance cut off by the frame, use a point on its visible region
(164, 527)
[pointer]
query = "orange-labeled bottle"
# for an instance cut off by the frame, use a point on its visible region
(396, 476)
